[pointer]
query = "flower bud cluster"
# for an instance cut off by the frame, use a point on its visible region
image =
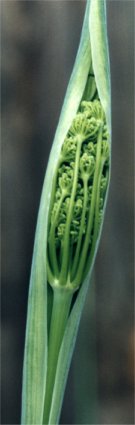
(78, 193)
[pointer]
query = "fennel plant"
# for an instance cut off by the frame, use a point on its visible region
(69, 224)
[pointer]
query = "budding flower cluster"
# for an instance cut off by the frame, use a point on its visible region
(78, 195)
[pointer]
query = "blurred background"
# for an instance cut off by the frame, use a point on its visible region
(39, 44)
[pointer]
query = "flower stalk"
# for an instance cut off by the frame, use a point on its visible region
(60, 311)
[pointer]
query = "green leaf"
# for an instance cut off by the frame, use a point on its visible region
(35, 357)
(93, 46)
(100, 61)
(100, 55)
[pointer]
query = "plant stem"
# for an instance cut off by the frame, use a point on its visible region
(91, 213)
(96, 225)
(54, 187)
(52, 243)
(77, 252)
(65, 258)
(60, 311)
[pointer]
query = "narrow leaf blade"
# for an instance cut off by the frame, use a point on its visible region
(99, 47)
(100, 55)
(35, 358)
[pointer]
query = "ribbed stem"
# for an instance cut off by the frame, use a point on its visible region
(77, 252)
(60, 311)
(81, 266)
(50, 275)
(52, 242)
(53, 191)
(63, 273)
(96, 225)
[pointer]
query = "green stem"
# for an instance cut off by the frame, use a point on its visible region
(76, 257)
(63, 273)
(81, 266)
(50, 276)
(53, 191)
(60, 311)
(96, 224)
(52, 243)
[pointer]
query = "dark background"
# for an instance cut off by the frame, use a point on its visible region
(39, 43)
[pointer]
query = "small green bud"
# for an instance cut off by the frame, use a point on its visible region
(68, 150)
(98, 110)
(93, 109)
(87, 108)
(78, 208)
(58, 194)
(64, 182)
(66, 178)
(87, 165)
(61, 231)
(79, 190)
(90, 148)
(84, 127)
(74, 231)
